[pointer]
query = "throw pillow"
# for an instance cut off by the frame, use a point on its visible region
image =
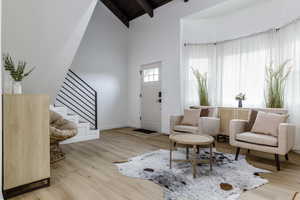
(204, 112)
(268, 123)
(252, 118)
(191, 117)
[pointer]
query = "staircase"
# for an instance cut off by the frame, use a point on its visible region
(77, 101)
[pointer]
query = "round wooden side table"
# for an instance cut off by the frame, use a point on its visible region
(194, 141)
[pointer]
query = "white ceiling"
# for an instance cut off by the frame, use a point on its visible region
(223, 9)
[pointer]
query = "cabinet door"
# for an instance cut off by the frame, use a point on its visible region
(26, 139)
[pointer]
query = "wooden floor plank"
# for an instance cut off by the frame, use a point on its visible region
(88, 171)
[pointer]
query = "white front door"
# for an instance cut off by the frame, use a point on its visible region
(151, 97)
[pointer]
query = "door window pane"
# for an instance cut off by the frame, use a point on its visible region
(151, 75)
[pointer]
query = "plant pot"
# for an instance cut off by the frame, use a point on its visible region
(240, 103)
(17, 87)
(8, 83)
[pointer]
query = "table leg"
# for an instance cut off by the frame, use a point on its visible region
(187, 152)
(211, 156)
(171, 148)
(194, 161)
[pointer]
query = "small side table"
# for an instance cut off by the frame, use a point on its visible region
(194, 141)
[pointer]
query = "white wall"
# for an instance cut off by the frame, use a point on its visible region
(46, 34)
(1, 196)
(158, 39)
(101, 60)
(257, 18)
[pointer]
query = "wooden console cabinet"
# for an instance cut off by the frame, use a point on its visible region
(227, 114)
(26, 143)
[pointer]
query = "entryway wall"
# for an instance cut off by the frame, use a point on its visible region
(158, 38)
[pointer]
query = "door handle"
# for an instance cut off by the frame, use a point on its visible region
(159, 100)
(159, 94)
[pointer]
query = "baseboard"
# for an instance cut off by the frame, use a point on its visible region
(82, 138)
(296, 148)
(109, 127)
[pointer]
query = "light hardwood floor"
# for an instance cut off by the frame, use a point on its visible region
(88, 172)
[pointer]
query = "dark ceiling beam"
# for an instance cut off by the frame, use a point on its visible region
(146, 6)
(117, 11)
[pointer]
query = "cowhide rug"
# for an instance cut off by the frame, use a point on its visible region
(178, 183)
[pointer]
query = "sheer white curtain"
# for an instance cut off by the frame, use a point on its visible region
(233, 67)
(202, 58)
(243, 64)
(239, 66)
(287, 46)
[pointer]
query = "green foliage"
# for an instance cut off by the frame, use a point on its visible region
(240, 97)
(202, 87)
(276, 77)
(17, 73)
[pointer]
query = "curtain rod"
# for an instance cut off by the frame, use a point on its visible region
(229, 40)
(243, 37)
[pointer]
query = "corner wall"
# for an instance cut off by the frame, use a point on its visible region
(1, 196)
(101, 60)
(46, 34)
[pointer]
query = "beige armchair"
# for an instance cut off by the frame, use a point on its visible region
(241, 137)
(206, 125)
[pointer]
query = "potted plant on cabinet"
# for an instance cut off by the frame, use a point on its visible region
(17, 73)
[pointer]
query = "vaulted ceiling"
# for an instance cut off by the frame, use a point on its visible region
(127, 10)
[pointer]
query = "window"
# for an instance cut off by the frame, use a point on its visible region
(199, 63)
(151, 75)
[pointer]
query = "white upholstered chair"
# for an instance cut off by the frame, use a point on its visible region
(210, 124)
(241, 137)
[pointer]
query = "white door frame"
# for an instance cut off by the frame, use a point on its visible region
(142, 67)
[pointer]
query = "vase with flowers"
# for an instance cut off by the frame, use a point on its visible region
(240, 98)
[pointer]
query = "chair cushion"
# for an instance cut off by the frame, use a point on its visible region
(186, 129)
(191, 117)
(268, 123)
(256, 138)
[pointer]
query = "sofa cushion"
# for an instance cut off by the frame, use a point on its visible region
(268, 123)
(186, 129)
(256, 138)
(191, 117)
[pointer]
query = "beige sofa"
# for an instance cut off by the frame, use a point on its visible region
(206, 125)
(241, 137)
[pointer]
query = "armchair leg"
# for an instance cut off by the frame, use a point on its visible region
(287, 156)
(277, 162)
(237, 153)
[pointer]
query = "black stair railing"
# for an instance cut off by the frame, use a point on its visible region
(78, 96)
